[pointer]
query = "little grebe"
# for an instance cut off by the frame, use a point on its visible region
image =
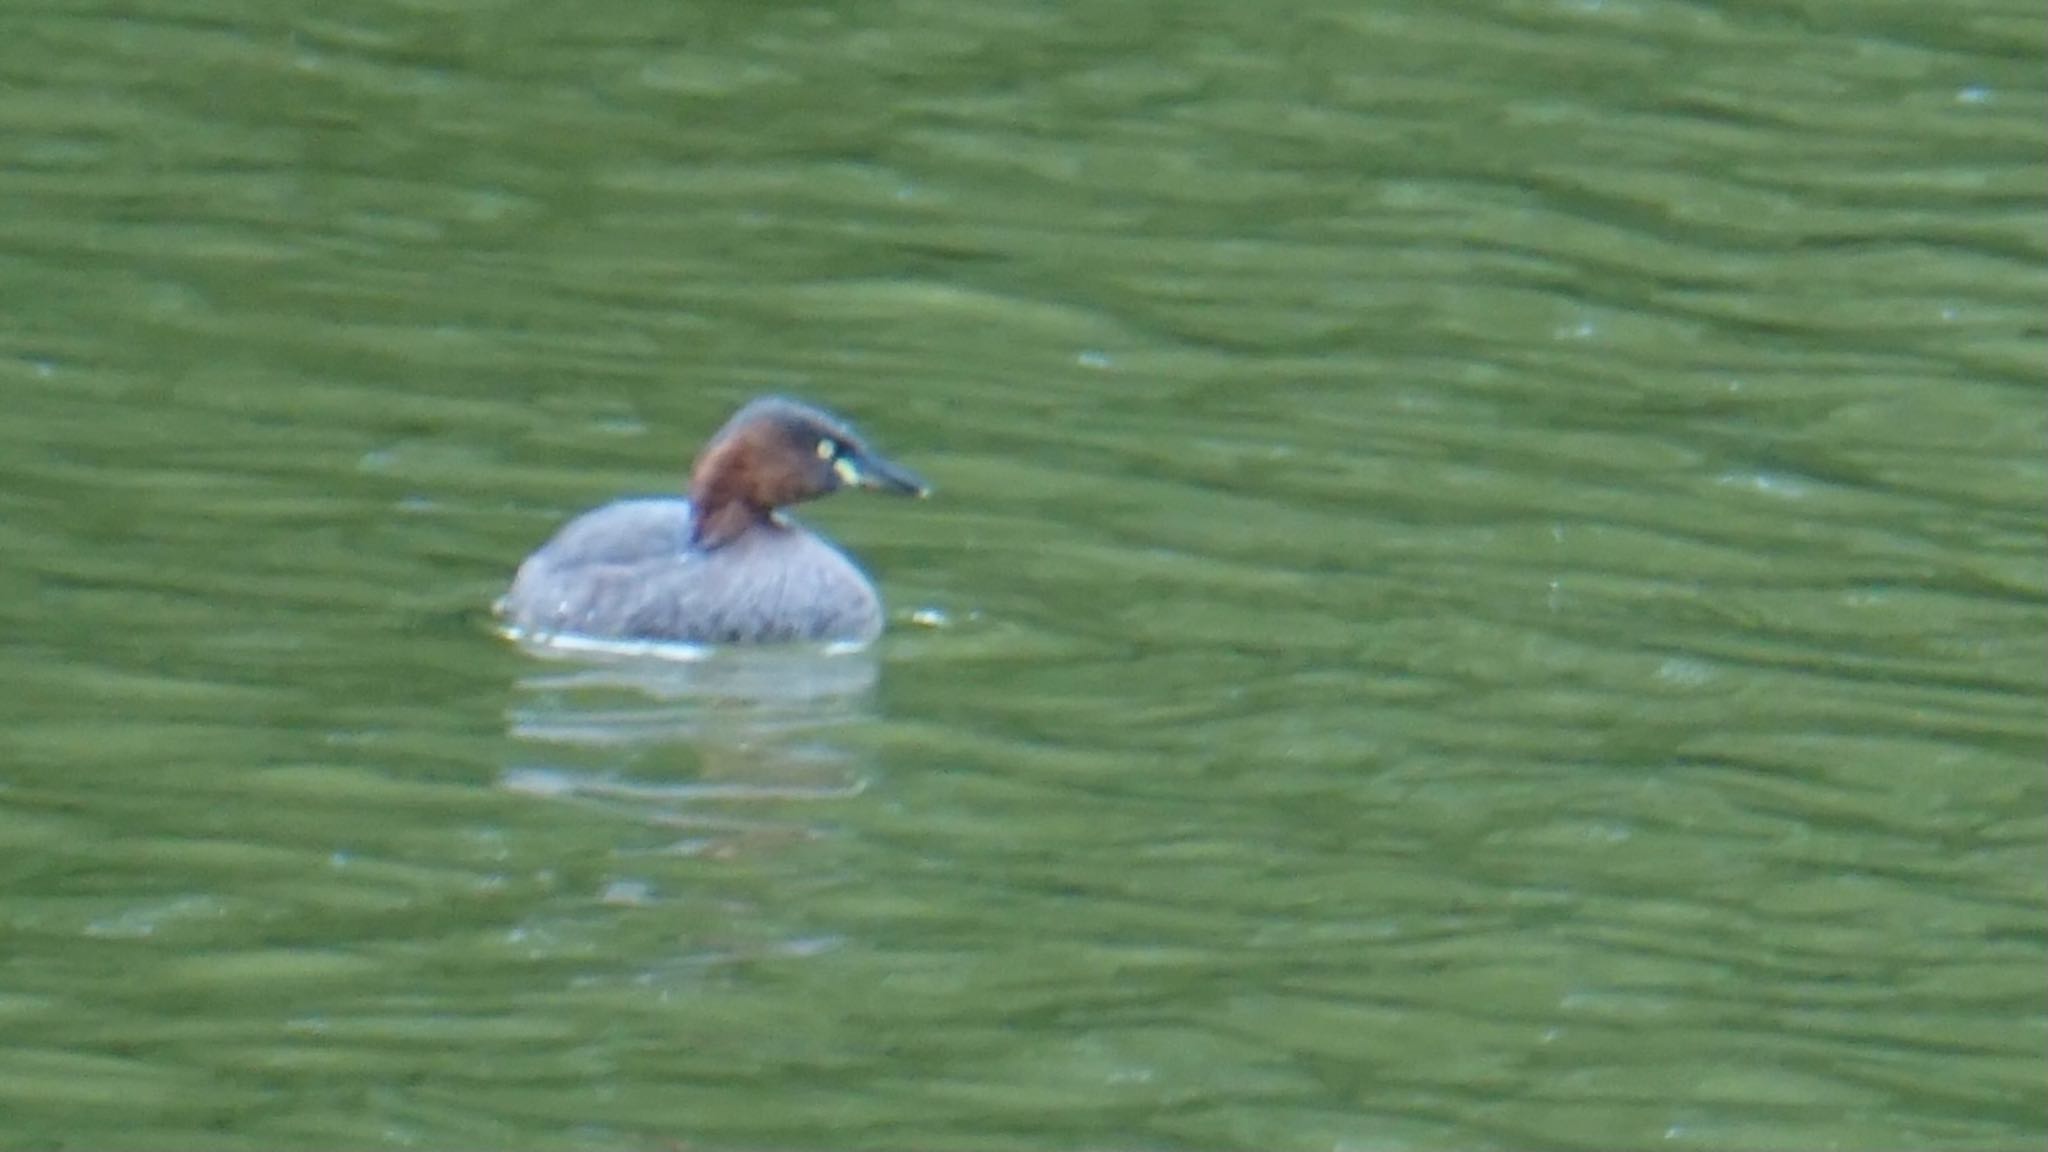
(722, 567)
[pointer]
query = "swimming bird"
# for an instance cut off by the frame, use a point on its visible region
(724, 565)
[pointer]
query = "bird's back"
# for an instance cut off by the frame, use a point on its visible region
(627, 571)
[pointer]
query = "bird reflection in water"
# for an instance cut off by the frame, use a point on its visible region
(751, 731)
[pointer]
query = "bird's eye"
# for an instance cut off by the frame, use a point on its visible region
(828, 449)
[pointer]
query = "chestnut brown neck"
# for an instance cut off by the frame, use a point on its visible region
(730, 491)
(716, 525)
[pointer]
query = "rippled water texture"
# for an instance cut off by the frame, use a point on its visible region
(1488, 584)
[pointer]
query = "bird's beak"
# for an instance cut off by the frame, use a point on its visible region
(871, 471)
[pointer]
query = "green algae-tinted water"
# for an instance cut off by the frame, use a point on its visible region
(1488, 587)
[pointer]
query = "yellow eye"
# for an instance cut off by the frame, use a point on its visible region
(827, 449)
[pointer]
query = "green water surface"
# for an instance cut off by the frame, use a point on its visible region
(1488, 587)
